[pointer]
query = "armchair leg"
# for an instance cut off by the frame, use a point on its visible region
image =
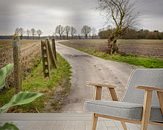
(146, 110)
(94, 123)
(124, 125)
(115, 98)
(160, 98)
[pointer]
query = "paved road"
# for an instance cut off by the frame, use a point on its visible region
(89, 68)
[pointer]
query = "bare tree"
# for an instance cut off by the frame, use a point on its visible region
(28, 33)
(73, 31)
(21, 31)
(17, 31)
(86, 30)
(67, 30)
(33, 31)
(122, 16)
(39, 32)
(59, 30)
(93, 30)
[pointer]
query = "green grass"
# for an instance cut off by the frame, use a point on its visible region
(134, 60)
(35, 82)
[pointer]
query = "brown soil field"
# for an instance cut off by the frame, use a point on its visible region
(8, 43)
(150, 48)
(30, 51)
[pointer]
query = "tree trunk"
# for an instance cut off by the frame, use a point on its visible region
(21, 37)
(112, 45)
(86, 36)
(60, 36)
(67, 35)
(115, 48)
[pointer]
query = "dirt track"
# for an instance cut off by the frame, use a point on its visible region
(89, 68)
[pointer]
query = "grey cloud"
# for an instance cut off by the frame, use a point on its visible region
(150, 7)
(62, 4)
(34, 13)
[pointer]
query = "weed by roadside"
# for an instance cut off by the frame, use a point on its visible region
(35, 82)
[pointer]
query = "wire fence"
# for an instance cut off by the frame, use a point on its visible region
(30, 55)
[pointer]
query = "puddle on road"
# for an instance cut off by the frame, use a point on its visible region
(76, 56)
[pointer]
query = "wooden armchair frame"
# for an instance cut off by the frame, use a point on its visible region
(146, 107)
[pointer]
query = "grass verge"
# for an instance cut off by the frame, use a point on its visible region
(35, 82)
(146, 62)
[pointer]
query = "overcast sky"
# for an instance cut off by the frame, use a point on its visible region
(47, 14)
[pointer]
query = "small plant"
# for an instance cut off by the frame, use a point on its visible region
(19, 99)
(4, 73)
(8, 126)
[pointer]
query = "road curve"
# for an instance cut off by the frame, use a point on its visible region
(90, 68)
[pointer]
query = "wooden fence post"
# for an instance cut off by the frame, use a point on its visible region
(45, 59)
(54, 48)
(17, 65)
(51, 56)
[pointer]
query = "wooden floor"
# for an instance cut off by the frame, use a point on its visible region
(59, 121)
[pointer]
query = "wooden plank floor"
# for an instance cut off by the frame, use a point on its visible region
(59, 121)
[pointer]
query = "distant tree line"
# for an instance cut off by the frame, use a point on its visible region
(70, 32)
(29, 33)
(61, 32)
(134, 34)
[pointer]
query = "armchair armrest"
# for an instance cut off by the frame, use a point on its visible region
(147, 88)
(99, 86)
(107, 85)
(148, 101)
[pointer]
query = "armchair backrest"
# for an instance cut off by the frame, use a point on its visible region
(143, 77)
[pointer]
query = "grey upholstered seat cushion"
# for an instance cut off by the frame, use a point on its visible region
(125, 110)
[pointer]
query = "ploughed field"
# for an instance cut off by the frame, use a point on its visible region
(8, 43)
(29, 54)
(149, 48)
